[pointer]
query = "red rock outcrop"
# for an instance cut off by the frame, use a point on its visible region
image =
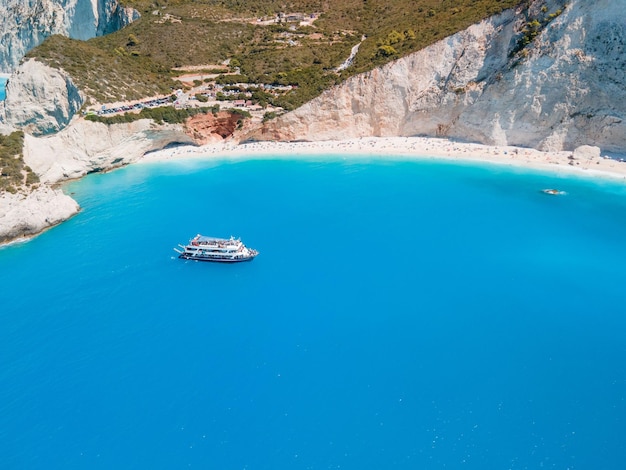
(210, 128)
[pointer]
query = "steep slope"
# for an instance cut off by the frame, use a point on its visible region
(566, 88)
(40, 100)
(26, 23)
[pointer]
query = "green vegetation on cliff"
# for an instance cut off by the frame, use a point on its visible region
(14, 174)
(294, 42)
(163, 114)
(104, 74)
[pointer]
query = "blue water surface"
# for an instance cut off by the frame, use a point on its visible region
(400, 315)
(3, 83)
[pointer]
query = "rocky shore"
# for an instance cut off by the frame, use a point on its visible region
(25, 215)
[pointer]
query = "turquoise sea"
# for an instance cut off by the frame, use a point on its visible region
(3, 82)
(400, 315)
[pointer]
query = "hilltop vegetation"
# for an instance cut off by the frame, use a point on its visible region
(138, 60)
(103, 74)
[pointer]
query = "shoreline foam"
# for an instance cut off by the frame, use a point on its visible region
(404, 148)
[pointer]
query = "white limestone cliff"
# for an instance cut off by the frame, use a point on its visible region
(568, 91)
(85, 147)
(24, 215)
(40, 99)
(24, 24)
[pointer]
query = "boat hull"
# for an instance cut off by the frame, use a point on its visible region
(216, 260)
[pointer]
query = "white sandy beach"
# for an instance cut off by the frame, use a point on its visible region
(585, 161)
(582, 162)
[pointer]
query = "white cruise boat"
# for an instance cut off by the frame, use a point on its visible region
(201, 248)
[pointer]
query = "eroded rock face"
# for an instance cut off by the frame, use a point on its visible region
(569, 90)
(24, 24)
(40, 100)
(84, 147)
(209, 128)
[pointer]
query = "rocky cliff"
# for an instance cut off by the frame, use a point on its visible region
(40, 100)
(84, 147)
(565, 89)
(24, 24)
